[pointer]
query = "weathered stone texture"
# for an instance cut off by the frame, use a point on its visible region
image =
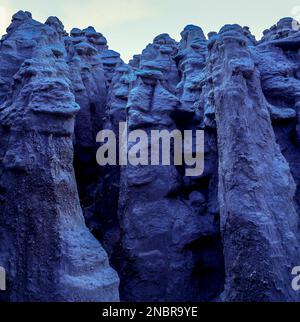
(230, 234)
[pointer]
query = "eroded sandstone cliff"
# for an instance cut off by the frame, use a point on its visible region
(231, 234)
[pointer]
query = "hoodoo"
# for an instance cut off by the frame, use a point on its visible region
(72, 230)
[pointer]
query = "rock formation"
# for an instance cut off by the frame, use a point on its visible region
(45, 246)
(256, 188)
(230, 234)
(167, 217)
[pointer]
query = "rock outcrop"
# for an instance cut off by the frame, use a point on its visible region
(259, 222)
(45, 246)
(161, 232)
(229, 234)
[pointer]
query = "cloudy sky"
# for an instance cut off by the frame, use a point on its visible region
(129, 25)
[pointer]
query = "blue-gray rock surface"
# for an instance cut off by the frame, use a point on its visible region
(47, 250)
(231, 234)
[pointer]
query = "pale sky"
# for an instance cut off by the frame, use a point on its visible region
(129, 25)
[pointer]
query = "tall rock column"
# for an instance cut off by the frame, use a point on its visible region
(48, 252)
(165, 233)
(277, 59)
(258, 219)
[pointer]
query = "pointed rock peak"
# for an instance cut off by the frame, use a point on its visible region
(192, 38)
(90, 29)
(192, 28)
(230, 27)
(238, 31)
(56, 24)
(162, 44)
(284, 28)
(164, 39)
(18, 19)
(21, 15)
(91, 36)
(285, 23)
(192, 31)
(94, 37)
(235, 28)
(76, 32)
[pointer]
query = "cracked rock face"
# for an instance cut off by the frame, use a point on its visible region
(230, 234)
